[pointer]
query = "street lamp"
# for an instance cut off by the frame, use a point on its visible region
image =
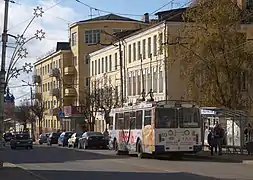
(19, 52)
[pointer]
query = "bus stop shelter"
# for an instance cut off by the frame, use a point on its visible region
(234, 123)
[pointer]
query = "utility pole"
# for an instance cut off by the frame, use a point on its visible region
(2, 74)
(32, 123)
(121, 74)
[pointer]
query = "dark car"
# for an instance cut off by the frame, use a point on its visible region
(73, 140)
(53, 138)
(64, 137)
(21, 140)
(43, 138)
(8, 136)
(92, 139)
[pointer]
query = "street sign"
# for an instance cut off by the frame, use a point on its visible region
(61, 114)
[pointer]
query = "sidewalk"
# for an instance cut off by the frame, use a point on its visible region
(237, 158)
(10, 172)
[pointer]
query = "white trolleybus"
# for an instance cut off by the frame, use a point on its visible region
(165, 127)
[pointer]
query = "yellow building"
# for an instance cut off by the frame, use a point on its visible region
(143, 66)
(64, 73)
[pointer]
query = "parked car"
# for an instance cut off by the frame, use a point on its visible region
(92, 139)
(8, 136)
(73, 140)
(21, 140)
(53, 138)
(64, 137)
(43, 138)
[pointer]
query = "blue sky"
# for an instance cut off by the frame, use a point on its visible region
(55, 23)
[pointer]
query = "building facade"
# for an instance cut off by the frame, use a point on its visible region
(62, 76)
(145, 58)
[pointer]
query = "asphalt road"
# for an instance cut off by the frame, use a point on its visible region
(54, 163)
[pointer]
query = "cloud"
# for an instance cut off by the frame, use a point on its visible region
(54, 22)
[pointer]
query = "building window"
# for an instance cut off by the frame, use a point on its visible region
(155, 81)
(73, 38)
(92, 36)
(129, 86)
(96, 67)
(106, 64)
(134, 85)
(144, 48)
(161, 43)
(139, 50)
(110, 63)
(129, 53)
(92, 68)
(102, 71)
(75, 61)
(138, 84)
(149, 46)
(87, 58)
(155, 45)
(87, 82)
(134, 52)
(160, 81)
(149, 80)
(116, 61)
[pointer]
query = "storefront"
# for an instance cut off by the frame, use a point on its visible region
(73, 119)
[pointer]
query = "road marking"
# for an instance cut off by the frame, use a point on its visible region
(37, 176)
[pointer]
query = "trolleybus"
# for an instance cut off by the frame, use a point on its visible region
(165, 127)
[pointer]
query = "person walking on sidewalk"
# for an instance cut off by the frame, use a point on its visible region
(219, 135)
(212, 141)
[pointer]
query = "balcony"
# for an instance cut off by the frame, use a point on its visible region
(54, 72)
(36, 79)
(54, 92)
(70, 92)
(70, 70)
(38, 96)
(54, 111)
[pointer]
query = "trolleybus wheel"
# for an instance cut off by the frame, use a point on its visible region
(140, 151)
(116, 148)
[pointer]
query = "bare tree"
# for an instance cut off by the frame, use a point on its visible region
(105, 97)
(23, 114)
(216, 63)
(38, 109)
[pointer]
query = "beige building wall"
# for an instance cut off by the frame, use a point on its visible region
(81, 48)
(144, 55)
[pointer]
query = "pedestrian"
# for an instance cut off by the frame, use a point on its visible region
(212, 141)
(219, 135)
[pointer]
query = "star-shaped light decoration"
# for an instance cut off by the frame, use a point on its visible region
(40, 34)
(20, 39)
(22, 53)
(15, 72)
(38, 11)
(27, 67)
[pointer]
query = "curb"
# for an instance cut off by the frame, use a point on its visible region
(248, 162)
(37, 177)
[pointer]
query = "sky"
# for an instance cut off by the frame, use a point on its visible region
(55, 21)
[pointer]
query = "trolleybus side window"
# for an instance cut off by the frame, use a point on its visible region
(126, 120)
(119, 121)
(147, 119)
(138, 120)
(132, 120)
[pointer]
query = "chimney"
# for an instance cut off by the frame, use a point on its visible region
(146, 17)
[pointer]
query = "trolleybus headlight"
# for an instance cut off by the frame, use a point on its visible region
(170, 132)
(186, 132)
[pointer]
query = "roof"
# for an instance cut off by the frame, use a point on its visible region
(110, 17)
(125, 33)
(175, 15)
(60, 46)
